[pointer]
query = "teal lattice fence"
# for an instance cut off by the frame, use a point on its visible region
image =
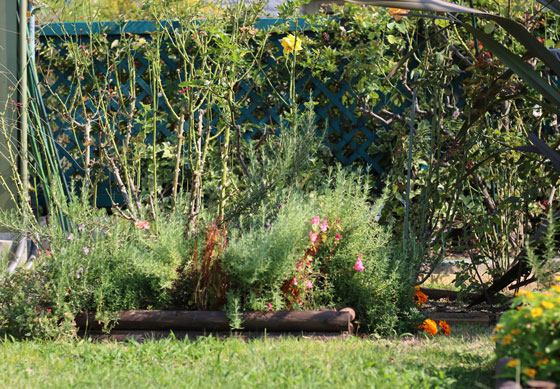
(350, 136)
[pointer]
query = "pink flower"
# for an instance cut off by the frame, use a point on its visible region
(337, 237)
(359, 266)
(337, 221)
(294, 281)
(48, 252)
(315, 220)
(309, 285)
(299, 265)
(313, 236)
(324, 225)
(86, 250)
(143, 225)
(269, 306)
(528, 325)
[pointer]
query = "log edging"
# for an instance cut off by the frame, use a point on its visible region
(212, 321)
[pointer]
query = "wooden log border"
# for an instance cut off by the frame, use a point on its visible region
(212, 321)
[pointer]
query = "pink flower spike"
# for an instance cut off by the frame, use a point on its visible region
(315, 220)
(143, 225)
(294, 281)
(324, 225)
(337, 237)
(309, 285)
(359, 266)
(269, 306)
(313, 236)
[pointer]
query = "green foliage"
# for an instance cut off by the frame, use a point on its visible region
(543, 258)
(261, 259)
(314, 265)
(107, 264)
(27, 309)
(529, 334)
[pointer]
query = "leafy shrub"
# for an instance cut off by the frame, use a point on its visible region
(323, 250)
(106, 265)
(27, 309)
(530, 334)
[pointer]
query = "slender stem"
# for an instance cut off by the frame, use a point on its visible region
(409, 170)
(178, 159)
(23, 98)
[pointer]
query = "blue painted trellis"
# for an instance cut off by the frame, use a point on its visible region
(349, 135)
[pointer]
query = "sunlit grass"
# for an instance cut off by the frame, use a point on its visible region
(464, 359)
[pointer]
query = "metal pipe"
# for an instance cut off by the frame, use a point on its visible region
(23, 47)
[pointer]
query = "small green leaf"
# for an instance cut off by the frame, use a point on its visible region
(489, 27)
(392, 39)
(442, 23)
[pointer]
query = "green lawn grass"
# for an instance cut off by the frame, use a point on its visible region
(462, 360)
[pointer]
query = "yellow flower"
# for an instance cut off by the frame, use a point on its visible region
(556, 288)
(494, 338)
(499, 327)
(507, 339)
(515, 332)
(543, 361)
(290, 43)
(547, 304)
(536, 312)
(513, 363)
(557, 278)
(530, 372)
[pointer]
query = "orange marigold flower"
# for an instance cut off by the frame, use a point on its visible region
(398, 12)
(417, 288)
(444, 327)
(515, 332)
(513, 363)
(429, 326)
(499, 327)
(543, 361)
(539, 354)
(507, 339)
(420, 297)
(530, 372)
